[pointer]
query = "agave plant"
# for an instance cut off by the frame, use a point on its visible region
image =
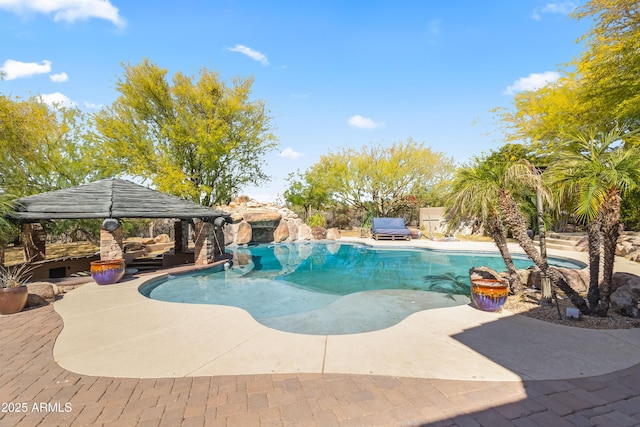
(13, 277)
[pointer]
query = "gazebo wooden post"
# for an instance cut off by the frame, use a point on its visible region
(34, 242)
(111, 244)
(181, 229)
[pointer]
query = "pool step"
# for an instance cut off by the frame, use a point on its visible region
(563, 241)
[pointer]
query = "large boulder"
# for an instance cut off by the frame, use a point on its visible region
(48, 291)
(319, 233)
(304, 232)
(262, 218)
(578, 280)
(230, 232)
(162, 238)
(133, 246)
(263, 222)
(281, 233)
(244, 234)
(484, 273)
(333, 234)
(292, 224)
(620, 279)
(41, 293)
(625, 298)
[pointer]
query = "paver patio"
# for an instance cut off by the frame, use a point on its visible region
(29, 375)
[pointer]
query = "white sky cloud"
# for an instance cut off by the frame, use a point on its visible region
(532, 82)
(67, 10)
(290, 153)
(434, 26)
(360, 122)
(253, 54)
(17, 70)
(563, 8)
(57, 98)
(92, 105)
(59, 78)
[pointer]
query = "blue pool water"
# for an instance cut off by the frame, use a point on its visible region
(334, 288)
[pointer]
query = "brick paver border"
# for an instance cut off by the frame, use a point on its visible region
(36, 391)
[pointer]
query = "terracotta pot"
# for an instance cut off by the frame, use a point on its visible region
(106, 272)
(489, 294)
(13, 300)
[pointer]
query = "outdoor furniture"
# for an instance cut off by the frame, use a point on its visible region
(390, 228)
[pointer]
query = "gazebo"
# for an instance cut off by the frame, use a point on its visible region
(111, 200)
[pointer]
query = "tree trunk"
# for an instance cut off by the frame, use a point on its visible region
(595, 241)
(610, 234)
(519, 229)
(498, 234)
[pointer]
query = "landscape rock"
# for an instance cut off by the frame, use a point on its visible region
(47, 291)
(620, 279)
(244, 234)
(230, 231)
(162, 238)
(292, 225)
(319, 233)
(333, 234)
(577, 279)
(133, 246)
(281, 232)
(262, 218)
(626, 298)
(484, 273)
(304, 232)
(34, 300)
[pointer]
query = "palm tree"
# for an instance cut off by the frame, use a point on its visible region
(524, 173)
(475, 195)
(596, 169)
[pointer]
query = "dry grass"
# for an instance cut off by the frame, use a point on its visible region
(14, 255)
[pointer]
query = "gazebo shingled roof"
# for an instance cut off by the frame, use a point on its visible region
(109, 198)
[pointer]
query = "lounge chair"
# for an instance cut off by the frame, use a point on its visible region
(390, 228)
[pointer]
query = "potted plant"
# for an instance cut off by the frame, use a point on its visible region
(13, 288)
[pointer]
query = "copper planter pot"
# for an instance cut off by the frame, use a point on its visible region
(13, 300)
(106, 272)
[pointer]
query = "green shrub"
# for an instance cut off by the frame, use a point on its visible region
(317, 220)
(342, 221)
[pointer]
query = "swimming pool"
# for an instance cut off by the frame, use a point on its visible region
(334, 288)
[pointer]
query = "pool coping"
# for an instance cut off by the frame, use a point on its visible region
(115, 331)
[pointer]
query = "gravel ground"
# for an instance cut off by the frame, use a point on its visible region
(528, 304)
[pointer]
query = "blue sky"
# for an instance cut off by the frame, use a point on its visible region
(333, 74)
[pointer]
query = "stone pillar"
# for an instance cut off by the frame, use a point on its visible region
(111, 244)
(181, 229)
(205, 242)
(34, 240)
(218, 242)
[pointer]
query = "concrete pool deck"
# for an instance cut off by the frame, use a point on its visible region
(115, 331)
